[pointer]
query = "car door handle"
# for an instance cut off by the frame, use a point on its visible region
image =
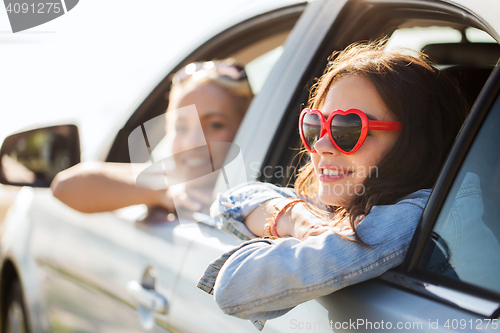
(147, 298)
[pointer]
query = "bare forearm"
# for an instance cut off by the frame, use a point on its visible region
(264, 213)
(258, 218)
(100, 187)
(294, 219)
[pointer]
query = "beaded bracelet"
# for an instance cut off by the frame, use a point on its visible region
(270, 228)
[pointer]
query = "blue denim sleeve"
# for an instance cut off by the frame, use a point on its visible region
(232, 207)
(264, 280)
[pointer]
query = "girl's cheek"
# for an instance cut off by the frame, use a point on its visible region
(177, 145)
(220, 136)
(315, 160)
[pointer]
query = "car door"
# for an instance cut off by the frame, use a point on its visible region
(86, 262)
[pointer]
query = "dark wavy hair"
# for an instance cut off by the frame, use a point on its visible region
(427, 102)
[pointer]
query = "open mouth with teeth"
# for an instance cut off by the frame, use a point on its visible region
(328, 175)
(329, 172)
(193, 167)
(195, 162)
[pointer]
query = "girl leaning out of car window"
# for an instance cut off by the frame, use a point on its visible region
(207, 103)
(378, 128)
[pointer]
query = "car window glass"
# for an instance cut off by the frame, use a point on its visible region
(467, 54)
(478, 36)
(416, 38)
(465, 240)
(259, 68)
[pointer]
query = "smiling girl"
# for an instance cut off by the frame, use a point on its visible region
(379, 127)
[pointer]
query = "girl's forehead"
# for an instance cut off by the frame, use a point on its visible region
(187, 113)
(207, 97)
(355, 92)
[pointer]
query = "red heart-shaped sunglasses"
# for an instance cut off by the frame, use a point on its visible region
(347, 130)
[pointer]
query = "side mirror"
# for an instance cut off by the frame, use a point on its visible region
(33, 158)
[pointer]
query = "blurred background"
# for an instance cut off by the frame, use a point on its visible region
(107, 50)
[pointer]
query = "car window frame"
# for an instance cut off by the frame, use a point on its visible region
(454, 162)
(220, 46)
(441, 191)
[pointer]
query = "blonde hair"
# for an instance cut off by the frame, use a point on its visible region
(239, 90)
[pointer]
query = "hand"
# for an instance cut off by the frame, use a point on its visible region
(300, 223)
(305, 224)
(177, 201)
(163, 199)
(345, 228)
(193, 199)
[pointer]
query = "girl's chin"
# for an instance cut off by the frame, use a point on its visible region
(332, 199)
(328, 200)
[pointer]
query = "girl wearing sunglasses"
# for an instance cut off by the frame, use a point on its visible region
(378, 128)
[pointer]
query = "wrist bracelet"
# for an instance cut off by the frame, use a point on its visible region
(270, 228)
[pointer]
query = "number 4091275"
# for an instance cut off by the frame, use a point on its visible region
(471, 324)
(39, 8)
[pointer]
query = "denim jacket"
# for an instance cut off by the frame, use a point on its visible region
(264, 279)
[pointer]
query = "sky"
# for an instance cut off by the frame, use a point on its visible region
(95, 64)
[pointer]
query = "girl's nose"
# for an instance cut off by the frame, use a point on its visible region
(324, 146)
(195, 138)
